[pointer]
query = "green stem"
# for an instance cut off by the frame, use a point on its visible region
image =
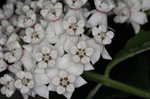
(94, 91)
(117, 85)
(115, 62)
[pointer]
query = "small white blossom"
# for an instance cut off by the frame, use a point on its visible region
(99, 16)
(74, 26)
(85, 52)
(130, 11)
(75, 4)
(102, 35)
(24, 82)
(8, 88)
(14, 52)
(45, 56)
(52, 12)
(34, 35)
(82, 52)
(27, 19)
(65, 83)
(7, 11)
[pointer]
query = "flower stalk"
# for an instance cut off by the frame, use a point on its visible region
(117, 85)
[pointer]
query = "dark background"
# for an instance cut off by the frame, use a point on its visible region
(134, 71)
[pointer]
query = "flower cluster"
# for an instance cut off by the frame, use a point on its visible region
(46, 45)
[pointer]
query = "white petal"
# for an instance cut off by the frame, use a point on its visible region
(70, 88)
(38, 56)
(76, 58)
(56, 81)
(42, 91)
(81, 44)
(18, 84)
(40, 79)
(80, 82)
(76, 69)
(136, 27)
(88, 67)
(89, 51)
(106, 55)
(45, 50)
(85, 60)
(42, 65)
(24, 90)
(60, 90)
(51, 73)
(54, 54)
(73, 50)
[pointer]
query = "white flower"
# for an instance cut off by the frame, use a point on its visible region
(52, 11)
(102, 35)
(75, 4)
(85, 52)
(99, 16)
(130, 11)
(24, 82)
(14, 52)
(27, 20)
(74, 26)
(34, 35)
(65, 83)
(81, 52)
(104, 5)
(7, 11)
(45, 56)
(8, 88)
(122, 12)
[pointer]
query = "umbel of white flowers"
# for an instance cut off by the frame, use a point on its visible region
(45, 46)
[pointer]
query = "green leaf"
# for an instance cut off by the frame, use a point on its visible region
(117, 85)
(136, 45)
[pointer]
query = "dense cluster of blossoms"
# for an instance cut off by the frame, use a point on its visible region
(45, 44)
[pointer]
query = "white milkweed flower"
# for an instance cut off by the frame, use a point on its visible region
(85, 52)
(45, 56)
(27, 19)
(99, 16)
(75, 8)
(102, 35)
(130, 11)
(64, 83)
(8, 88)
(74, 25)
(82, 52)
(33, 35)
(24, 82)
(14, 52)
(75, 4)
(52, 11)
(7, 11)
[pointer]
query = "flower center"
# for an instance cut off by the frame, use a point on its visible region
(35, 36)
(81, 53)
(26, 81)
(46, 58)
(73, 27)
(64, 82)
(102, 35)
